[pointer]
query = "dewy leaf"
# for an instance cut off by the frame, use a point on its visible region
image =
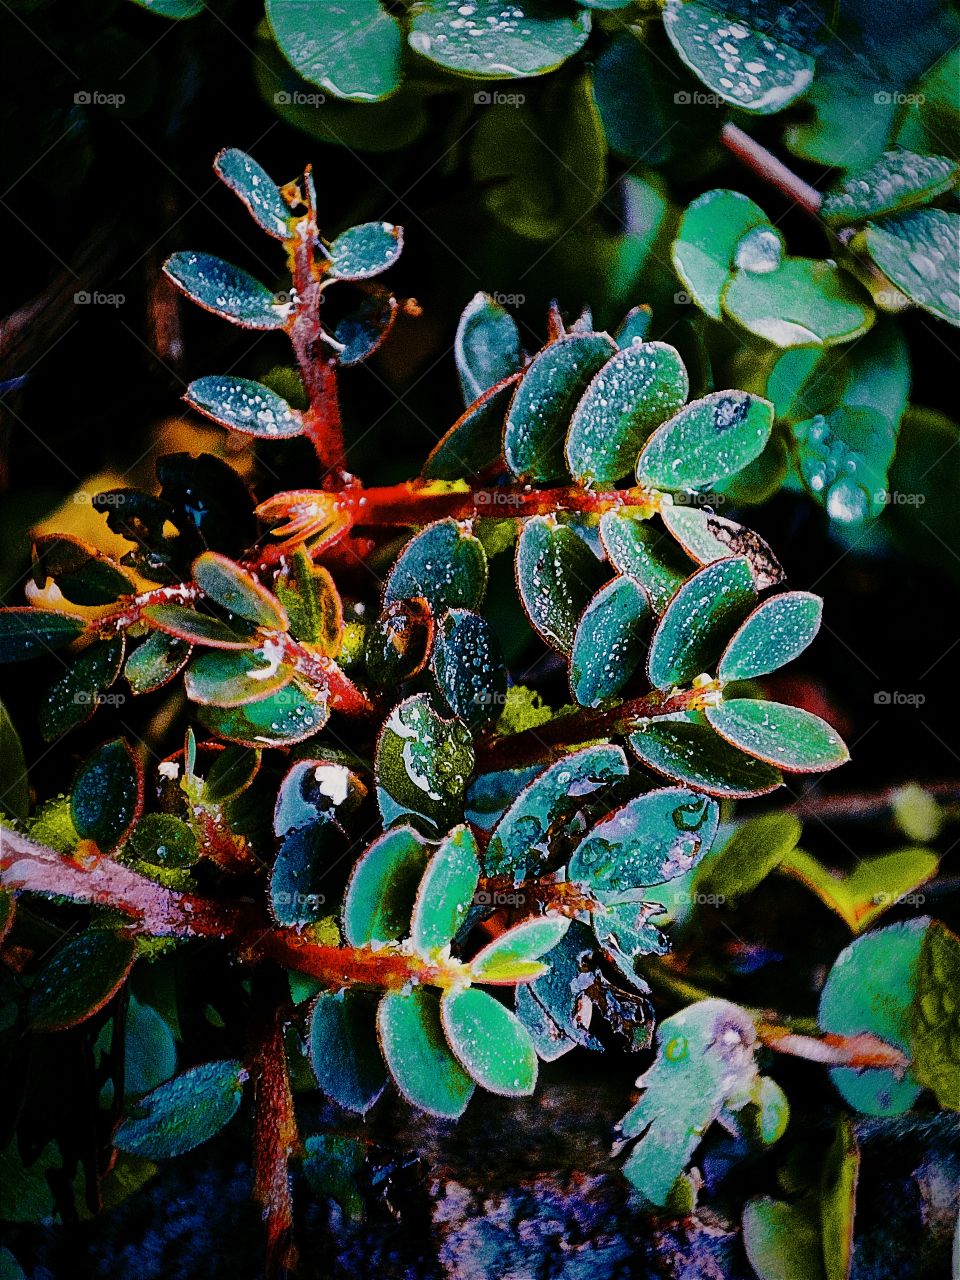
(79, 979)
(918, 253)
(30, 633)
(706, 244)
(610, 641)
(514, 956)
(298, 872)
(256, 189)
(289, 715)
(243, 405)
(75, 696)
(183, 1112)
(782, 1241)
(200, 628)
(893, 183)
(352, 50)
(803, 303)
(709, 440)
(164, 841)
(645, 553)
(364, 330)
(773, 635)
(365, 250)
(779, 734)
(557, 574)
(653, 838)
(469, 668)
(842, 458)
(238, 591)
(543, 404)
(309, 595)
(707, 537)
(871, 989)
(413, 1044)
(487, 346)
(445, 564)
(936, 1021)
(686, 748)
(446, 892)
(520, 841)
(155, 662)
(423, 761)
(226, 290)
(493, 41)
(489, 1041)
(107, 795)
(699, 620)
(555, 1008)
(634, 392)
(474, 441)
(343, 1048)
(757, 56)
(383, 887)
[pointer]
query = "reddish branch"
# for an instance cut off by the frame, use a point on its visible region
(859, 1051)
(766, 165)
(275, 1140)
(865, 805)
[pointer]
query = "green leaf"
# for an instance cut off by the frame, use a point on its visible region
(155, 662)
(544, 402)
(238, 591)
(487, 347)
(334, 1168)
(802, 303)
(256, 189)
(226, 290)
(82, 574)
(363, 331)
(353, 51)
(490, 1042)
(232, 771)
(423, 761)
(107, 795)
(413, 1044)
(79, 979)
(773, 635)
(874, 886)
(757, 847)
(232, 678)
(645, 553)
(494, 43)
(838, 1200)
(779, 734)
(843, 459)
(290, 715)
(474, 441)
(15, 793)
(183, 1112)
(704, 252)
(445, 564)
(647, 841)
(555, 1008)
(75, 696)
(918, 253)
(897, 181)
(29, 633)
(382, 889)
(149, 1049)
(610, 641)
(936, 1042)
(305, 858)
(634, 392)
(782, 1241)
(709, 440)
(699, 620)
(173, 8)
(514, 956)
(365, 250)
(446, 892)
(520, 841)
(396, 645)
(164, 841)
(758, 56)
(243, 405)
(309, 595)
(557, 574)
(871, 989)
(469, 668)
(707, 537)
(343, 1049)
(200, 628)
(685, 748)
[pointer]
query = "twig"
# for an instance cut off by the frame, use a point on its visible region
(766, 165)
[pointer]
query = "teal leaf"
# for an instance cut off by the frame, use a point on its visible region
(634, 392)
(149, 1049)
(343, 1048)
(686, 748)
(756, 848)
(895, 182)
(311, 791)
(557, 574)
(413, 1044)
(698, 622)
(423, 761)
(183, 1112)
(289, 715)
(232, 678)
(474, 441)
(365, 250)
(30, 633)
(164, 840)
(773, 635)
(610, 641)
(514, 956)
(489, 1041)
(305, 858)
(555, 1008)
(256, 189)
(78, 979)
(707, 537)
(334, 1167)
(541, 409)
(155, 662)
(243, 405)
(647, 841)
(623, 932)
(918, 253)
(709, 440)
(645, 553)
(353, 51)
(363, 331)
(704, 250)
(803, 303)
(75, 696)
(107, 795)
(779, 734)
(226, 290)
(487, 346)
(494, 42)
(191, 627)
(446, 892)
(445, 564)
(238, 591)
(843, 457)
(175, 9)
(382, 889)
(469, 668)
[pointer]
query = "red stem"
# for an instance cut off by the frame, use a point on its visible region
(766, 165)
(275, 1139)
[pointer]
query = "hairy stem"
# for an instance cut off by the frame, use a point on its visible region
(275, 1136)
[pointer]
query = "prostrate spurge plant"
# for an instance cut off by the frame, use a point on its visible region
(518, 845)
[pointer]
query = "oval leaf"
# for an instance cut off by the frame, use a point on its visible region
(446, 892)
(474, 441)
(469, 668)
(707, 537)
(557, 574)
(423, 761)
(289, 715)
(610, 641)
(779, 734)
(29, 633)
(303, 861)
(918, 253)
(155, 662)
(773, 635)
(79, 979)
(413, 1044)
(646, 554)
(445, 564)
(107, 795)
(365, 250)
(493, 42)
(487, 347)
(804, 303)
(490, 1042)
(687, 749)
(513, 956)
(709, 440)
(183, 1112)
(383, 887)
(226, 290)
(353, 51)
(698, 621)
(243, 405)
(199, 628)
(238, 591)
(705, 248)
(343, 1049)
(256, 189)
(894, 182)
